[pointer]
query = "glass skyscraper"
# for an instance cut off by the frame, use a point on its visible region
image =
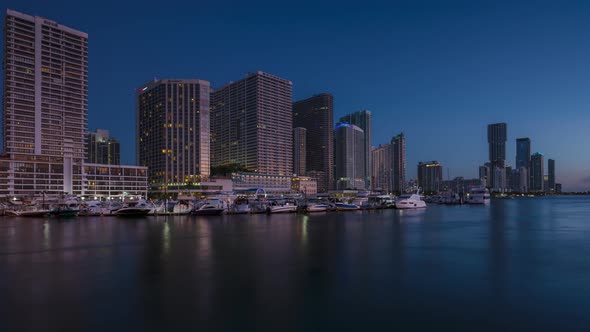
(316, 115)
(362, 119)
(497, 135)
(349, 149)
(537, 172)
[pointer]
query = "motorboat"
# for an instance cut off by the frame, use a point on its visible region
(208, 210)
(346, 207)
(182, 207)
(91, 208)
(317, 207)
(410, 201)
(282, 208)
(28, 211)
(69, 208)
(133, 209)
(478, 195)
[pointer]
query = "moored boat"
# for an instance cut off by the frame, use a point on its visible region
(410, 201)
(137, 208)
(208, 210)
(478, 195)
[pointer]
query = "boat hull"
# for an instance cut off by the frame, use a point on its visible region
(131, 212)
(208, 212)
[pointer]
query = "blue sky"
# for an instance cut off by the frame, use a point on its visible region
(439, 71)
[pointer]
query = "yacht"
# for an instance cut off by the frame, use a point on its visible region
(207, 210)
(478, 195)
(317, 207)
(287, 207)
(91, 208)
(133, 209)
(183, 207)
(66, 208)
(28, 211)
(410, 201)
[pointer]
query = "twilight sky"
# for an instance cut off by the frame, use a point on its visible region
(439, 71)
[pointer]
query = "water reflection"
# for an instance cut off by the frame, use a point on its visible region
(449, 267)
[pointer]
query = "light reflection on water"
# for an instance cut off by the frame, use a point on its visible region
(521, 262)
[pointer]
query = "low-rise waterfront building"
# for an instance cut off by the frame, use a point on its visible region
(305, 185)
(271, 183)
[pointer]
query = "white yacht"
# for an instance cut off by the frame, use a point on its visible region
(410, 201)
(478, 195)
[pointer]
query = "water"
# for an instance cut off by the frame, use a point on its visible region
(517, 265)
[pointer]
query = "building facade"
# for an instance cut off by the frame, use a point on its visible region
(362, 119)
(299, 150)
(102, 149)
(398, 159)
(349, 151)
(430, 176)
(382, 169)
(45, 115)
(497, 136)
(550, 176)
(252, 124)
(316, 114)
(537, 172)
(172, 128)
(306, 185)
(523, 159)
(45, 88)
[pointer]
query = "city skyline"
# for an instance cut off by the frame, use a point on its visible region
(507, 95)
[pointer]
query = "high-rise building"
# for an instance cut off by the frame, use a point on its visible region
(537, 172)
(484, 174)
(497, 135)
(349, 150)
(172, 128)
(523, 159)
(398, 159)
(429, 176)
(523, 152)
(316, 114)
(550, 176)
(45, 87)
(45, 115)
(299, 150)
(251, 124)
(102, 149)
(382, 168)
(362, 119)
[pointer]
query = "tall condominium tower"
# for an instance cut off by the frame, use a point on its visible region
(398, 159)
(251, 124)
(299, 150)
(102, 149)
(497, 151)
(349, 149)
(316, 114)
(551, 176)
(537, 172)
(429, 176)
(172, 128)
(362, 119)
(382, 168)
(45, 115)
(45, 88)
